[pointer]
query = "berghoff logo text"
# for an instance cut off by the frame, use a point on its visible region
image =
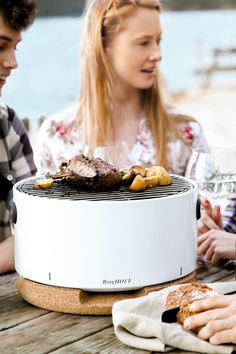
(116, 281)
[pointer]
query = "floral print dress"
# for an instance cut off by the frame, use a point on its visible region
(61, 138)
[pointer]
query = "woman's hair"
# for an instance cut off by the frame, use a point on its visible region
(18, 14)
(103, 20)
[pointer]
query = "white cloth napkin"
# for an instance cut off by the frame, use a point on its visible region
(137, 323)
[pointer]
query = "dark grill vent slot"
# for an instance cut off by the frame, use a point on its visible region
(61, 190)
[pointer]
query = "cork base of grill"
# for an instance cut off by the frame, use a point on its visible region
(81, 302)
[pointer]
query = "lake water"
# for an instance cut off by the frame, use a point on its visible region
(48, 77)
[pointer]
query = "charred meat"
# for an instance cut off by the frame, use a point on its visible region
(89, 173)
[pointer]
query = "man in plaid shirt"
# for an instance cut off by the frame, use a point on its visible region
(16, 157)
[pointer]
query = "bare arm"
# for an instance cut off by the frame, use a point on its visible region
(7, 256)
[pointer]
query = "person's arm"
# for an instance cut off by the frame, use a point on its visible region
(7, 255)
(217, 316)
(20, 148)
(21, 165)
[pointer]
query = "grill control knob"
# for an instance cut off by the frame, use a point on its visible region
(13, 212)
(198, 208)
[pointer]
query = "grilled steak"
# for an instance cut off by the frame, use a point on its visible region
(89, 173)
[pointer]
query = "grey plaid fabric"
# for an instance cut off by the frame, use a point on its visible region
(230, 216)
(16, 161)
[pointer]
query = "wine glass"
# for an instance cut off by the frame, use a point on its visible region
(117, 154)
(214, 172)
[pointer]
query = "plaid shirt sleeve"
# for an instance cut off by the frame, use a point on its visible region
(230, 216)
(16, 160)
(17, 154)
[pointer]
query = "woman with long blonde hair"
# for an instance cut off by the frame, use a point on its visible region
(121, 97)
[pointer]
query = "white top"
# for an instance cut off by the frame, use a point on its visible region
(61, 138)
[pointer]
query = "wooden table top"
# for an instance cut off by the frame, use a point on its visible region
(28, 329)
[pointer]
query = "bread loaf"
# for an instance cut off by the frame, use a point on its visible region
(183, 296)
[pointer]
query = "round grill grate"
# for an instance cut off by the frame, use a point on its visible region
(61, 190)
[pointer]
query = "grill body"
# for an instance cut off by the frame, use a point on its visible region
(105, 241)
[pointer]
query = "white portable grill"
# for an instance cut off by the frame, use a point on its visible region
(105, 241)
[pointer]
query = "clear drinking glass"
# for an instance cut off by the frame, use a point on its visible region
(117, 154)
(214, 172)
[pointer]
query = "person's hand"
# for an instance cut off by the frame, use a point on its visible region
(217, 244)
(210, 218)
(217, 316)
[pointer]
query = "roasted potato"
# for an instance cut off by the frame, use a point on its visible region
(128, 177)
(138, 184)
(154, 171)
(123, 171)
(165, 180)
(161, 173)
(138, 170)
(44, 183)
(151, 181)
